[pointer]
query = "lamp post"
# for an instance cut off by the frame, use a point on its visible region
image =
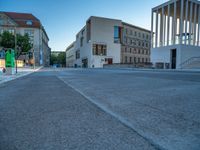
(16, 49)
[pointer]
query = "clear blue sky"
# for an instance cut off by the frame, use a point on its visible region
(62, 19)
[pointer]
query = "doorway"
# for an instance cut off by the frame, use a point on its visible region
(173, 58)
(85, 63)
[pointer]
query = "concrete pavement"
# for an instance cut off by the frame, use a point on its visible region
(41, 112)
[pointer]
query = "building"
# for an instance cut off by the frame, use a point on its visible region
(24, 23)
(70, 55)
(109, 41)
(175, 30)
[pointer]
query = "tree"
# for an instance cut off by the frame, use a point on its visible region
(53, 59)
(62, 58)
(23, 42)
(7, 40)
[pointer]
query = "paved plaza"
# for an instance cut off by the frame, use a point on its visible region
(101, 109)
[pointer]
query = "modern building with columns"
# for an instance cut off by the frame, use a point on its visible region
(175, 33)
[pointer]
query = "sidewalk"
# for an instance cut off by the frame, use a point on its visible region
(21, 72)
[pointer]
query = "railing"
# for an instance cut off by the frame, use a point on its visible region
(188, 61)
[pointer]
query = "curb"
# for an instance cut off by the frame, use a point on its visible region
(16, 77)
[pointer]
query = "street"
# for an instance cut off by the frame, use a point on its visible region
(101, 109)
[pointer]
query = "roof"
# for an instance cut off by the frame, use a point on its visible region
(140, 28)
(22, 19)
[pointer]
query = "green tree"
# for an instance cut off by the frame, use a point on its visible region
(23, 42)
(7, 40)
(62, 58)
(53, 59)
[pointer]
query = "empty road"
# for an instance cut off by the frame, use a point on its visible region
(101, 109)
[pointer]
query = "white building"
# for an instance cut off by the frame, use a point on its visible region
(175, 35)
(103, 41)
(24, 23)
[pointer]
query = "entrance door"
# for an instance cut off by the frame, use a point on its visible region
(110, 61)
(85, 63)
(173, 59)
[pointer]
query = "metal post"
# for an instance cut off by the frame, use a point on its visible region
(16, 49)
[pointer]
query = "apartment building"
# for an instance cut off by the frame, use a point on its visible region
(135, 46)
(70, 55)
(108, 41)
(24, 23)
(175, 35)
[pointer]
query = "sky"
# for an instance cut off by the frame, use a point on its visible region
(63, 19)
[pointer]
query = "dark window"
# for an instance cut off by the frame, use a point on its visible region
(88, 31)
(130, 59)
(99, 49)
(81, 41)
(117, 34)
(125, 59)
(77, 54)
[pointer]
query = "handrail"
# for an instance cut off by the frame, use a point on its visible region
(189, 60)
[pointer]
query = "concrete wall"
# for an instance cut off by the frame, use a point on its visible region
(184, 52)
(102, 32)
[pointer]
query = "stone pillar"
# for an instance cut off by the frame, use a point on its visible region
(152, 22)
(186, 21)
(156, 35)
(190, 23)
(168, 24)
(174, 24)
(195, 24)
(181, 22)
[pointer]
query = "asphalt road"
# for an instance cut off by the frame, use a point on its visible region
(41, 112)
(161, 106)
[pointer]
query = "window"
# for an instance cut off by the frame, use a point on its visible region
(146, 59)
(131, 32)
(117, 34)
(30, 33)
(88, 31)
(130, 59)
(139, 43)
(99, 49)
(130, 50)
(135, 33)
(77, 54)
(81, 41)
(138, 60)
(126, 59)
(29, 22)
(147, 45)
(139, 34)
(143, 36)
(142, 59)
(147, 36)
(125, 49)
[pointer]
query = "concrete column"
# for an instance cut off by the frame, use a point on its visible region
(198, 42)
(181, 22)
(168, 23)
(190, 23)
(195, 24)
(152, 21)
(164, 30)
(186, 20)
(156, 35)
(174, 24)
(161, 27)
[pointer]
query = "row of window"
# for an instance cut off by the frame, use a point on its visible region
(136, 34)
(135, 60)
(135, 42)
(136, 51)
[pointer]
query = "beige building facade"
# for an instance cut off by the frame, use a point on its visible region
(22, 23)
(135, 46)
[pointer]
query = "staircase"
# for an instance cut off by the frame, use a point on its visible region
(191, 63)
